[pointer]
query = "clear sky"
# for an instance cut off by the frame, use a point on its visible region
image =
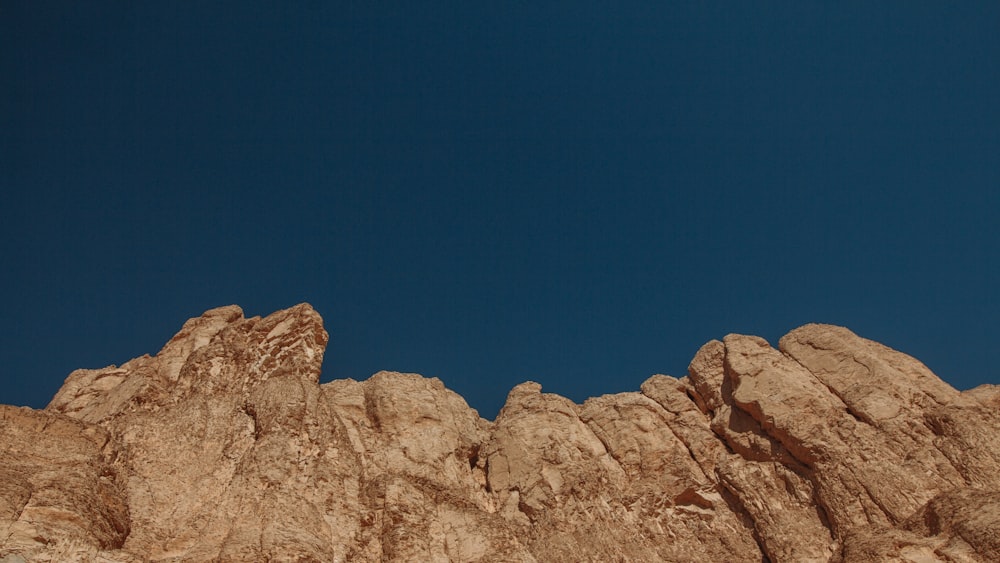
(578, 193)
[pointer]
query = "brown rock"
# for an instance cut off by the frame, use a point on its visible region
(224, 447)
(61, 489)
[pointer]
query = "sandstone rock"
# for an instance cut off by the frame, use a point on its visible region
(224, 447)
(62, 493)
(961, 525)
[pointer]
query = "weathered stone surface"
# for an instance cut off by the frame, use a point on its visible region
(224, 447)
(961, 525)
(62, 494)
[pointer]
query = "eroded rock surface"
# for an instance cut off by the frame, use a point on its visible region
(224, 447)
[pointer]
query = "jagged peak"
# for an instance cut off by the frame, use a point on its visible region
(828, 447)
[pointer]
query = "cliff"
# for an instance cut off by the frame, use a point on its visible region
(225, 447)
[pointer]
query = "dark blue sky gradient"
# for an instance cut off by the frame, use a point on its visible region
(580, 194)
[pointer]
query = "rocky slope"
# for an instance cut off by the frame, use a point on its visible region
(224, 447)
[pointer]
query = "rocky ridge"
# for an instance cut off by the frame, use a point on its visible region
(225, 447)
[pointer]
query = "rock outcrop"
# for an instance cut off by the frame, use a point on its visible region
(225, 447)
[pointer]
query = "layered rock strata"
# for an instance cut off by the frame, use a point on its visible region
(225, 447)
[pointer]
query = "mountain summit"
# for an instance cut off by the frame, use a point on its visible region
(225, 447)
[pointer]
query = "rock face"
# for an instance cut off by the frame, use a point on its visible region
(224, 447)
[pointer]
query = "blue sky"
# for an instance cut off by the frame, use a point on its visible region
(579, 193)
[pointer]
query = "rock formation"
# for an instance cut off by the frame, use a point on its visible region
(225, 447)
